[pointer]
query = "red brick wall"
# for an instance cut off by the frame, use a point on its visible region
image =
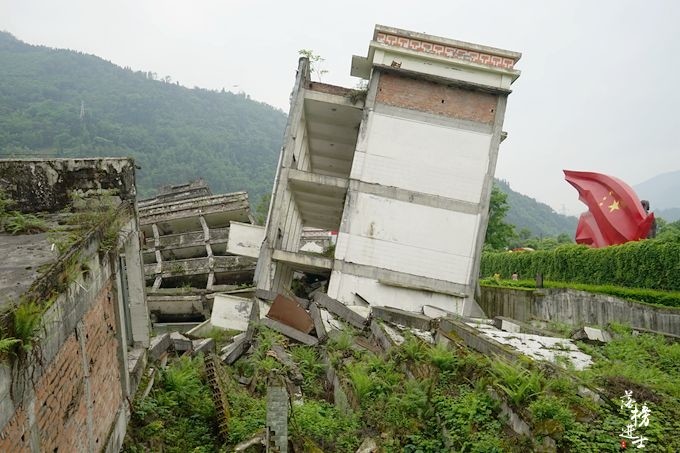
(435, 98)
(61, 404)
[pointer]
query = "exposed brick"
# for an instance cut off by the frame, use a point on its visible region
(431, 97)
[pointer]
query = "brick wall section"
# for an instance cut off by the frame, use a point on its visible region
(15, 438)
(61, 396)
(100, 346)
(435, 98)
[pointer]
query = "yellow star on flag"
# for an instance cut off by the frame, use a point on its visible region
(614, 206)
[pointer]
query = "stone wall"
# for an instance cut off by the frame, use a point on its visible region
(47, 184)
(576, 308)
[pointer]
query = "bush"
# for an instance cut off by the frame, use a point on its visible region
(653, 264)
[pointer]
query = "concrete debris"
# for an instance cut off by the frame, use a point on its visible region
(552, 349)
(290, 313)
(271, 295)
(436, 312)
(246, 444)
(230, 312)
(180, 342)
(592, 334)
(341, 310)
(514, 421)
(236, 349)
(506, 324)
(158, 345)
(290, 332)
(403, 317)
(200, 331)
(381, 337)
(282, 356)
(330, 323)
(319, 326)
(369, 445)
(394, 335)
(203, 346)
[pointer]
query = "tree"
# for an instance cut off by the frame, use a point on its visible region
(314, 62)
(262, 209)
(498, 233)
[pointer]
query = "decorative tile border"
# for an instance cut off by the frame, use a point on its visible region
(445, 51)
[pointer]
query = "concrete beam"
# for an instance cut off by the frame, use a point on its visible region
(405, 318)
(339, 309)
(290, 332)
(303, 262)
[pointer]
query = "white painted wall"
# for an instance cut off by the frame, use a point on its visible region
(245, 239)
(423, 157)
(344, 286)
(409, 238)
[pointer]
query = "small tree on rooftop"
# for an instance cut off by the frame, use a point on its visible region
(314, 62)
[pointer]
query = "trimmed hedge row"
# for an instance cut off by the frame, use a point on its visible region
(649, 264)
(644, 295)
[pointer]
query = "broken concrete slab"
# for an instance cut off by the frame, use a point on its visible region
(271, 295)
(592, 334)
(403, 317)
(231, 312)
(282, 356)
(319, 326)
(252, 320)
(180, 342)
(436, 312)
(200, 331)
(330, 323)
(204, 346)
(290, 332)
(341, 310)
(158, 345)
(381, 337)
(236, 349)
(290, 313)
(506, 324)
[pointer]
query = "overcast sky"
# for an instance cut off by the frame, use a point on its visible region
(598, 90)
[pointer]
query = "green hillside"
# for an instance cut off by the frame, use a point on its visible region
(63, 103)
(539, 218)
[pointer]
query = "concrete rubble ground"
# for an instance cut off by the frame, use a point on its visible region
(313, 322)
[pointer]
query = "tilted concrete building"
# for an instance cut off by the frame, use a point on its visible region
(403, 170)
(71, 303)
(196, 243)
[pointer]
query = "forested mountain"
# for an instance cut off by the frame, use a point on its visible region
(63, 103)
(537, 217)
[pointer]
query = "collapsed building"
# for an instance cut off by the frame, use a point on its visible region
(74, 325)
(196, 244)
(403, 171)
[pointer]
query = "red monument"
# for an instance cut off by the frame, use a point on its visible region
(615, 214)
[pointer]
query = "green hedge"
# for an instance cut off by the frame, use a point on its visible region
(649, 264)
(644, 295)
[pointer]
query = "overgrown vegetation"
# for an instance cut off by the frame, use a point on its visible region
(14, 222)
(647, 296)
(651, 264)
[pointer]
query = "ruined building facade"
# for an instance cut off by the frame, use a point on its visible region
(195, 244)
(402, 170)
(74, 297)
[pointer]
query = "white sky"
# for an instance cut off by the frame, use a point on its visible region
(598, 89)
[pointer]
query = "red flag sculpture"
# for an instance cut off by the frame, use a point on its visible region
(615, 214)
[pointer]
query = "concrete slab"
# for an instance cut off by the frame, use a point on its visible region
(231, 312)
(158, 345)
(290, 313)
(204, 346)
(403, 317)
(319, 326)
(592, 334)
(341, 310)
(236, 349)
(506, 324)
(290, 332)
(245, 239)
(180, 342)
